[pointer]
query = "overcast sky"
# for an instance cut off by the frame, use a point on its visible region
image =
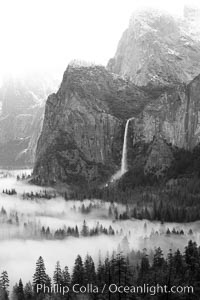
(38, 34)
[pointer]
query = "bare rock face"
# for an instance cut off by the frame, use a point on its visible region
(161, 53)
(83, 130)
(152, 155)
(191, 21)
(82, 134)
(193, 114)
(27, 155)
(165, 117)
(22, 109)
(159, 158)
(174, 117)
(158, 50)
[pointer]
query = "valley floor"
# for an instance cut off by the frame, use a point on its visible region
(54, 228)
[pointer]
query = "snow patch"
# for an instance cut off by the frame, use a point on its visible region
(173, 52)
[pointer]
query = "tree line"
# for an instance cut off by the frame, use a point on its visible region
(176, 268)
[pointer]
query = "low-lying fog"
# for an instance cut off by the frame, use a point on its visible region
(22, 219)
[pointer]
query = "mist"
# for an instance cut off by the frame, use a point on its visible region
(81, 22)
(21, 221)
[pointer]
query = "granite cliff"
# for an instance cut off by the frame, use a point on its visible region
(174, 116)
(154, 77)
(83, 126)
(166, 124)
(161, 53)
(83, 130)
(159, 50)
(22, 102)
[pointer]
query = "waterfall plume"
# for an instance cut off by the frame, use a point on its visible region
(124, 164)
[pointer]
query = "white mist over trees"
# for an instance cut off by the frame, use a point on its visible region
(45, 217)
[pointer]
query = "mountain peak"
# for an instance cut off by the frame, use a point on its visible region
(191, 12)
(151, 20)
(157, 50)
(191, 22)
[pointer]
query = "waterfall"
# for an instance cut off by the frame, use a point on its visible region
(124, 166)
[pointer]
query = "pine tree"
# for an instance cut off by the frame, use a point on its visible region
(178, 262)
(14, 292)
(57, 277)
(171, 269)
(28, 291)
(4, 281)
(100, 276)
(48, 281)
(66, 277)
(85, 230)
(110, 212)
(76, 231)
(4, 284)
(89, 270)
(48, 232)
(40, 276)
(108, 274)
(3, 294)
(158, 267)
(144, 267)
(128, 274)
(20, 291)
(158, 259)
(192, 261)
(125, 245)
(120, 268)
(78, 271)
(191, 254)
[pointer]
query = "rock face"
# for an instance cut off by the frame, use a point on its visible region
(83, 130)
(191, 21)
(158, 50)
(159, 157)
(82, 134)
(166, 125)
(161, 53)
(22, 109)
(174, 117)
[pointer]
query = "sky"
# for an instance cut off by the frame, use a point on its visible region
(47, 34)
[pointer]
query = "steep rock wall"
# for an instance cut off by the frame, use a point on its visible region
(174, 116)
(82, 135)
(158, 50)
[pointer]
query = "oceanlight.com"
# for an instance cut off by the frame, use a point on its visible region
(114, 288)
(152, 290)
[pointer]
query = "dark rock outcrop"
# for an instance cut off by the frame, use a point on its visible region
(161, 53)
(82, 134)
(166, 126)
(174, 117)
